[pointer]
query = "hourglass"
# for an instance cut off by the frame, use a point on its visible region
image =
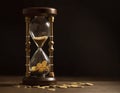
(39, 27)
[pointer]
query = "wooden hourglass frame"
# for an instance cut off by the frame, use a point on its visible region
(29, 13)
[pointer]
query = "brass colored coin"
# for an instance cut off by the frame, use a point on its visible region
(62, 86)
(41, 69)
(33, 68)
(51, 89)
(42, 87)
(44, 63)
(39, 65)
(74, 86)
(88, 84)
(74, 83)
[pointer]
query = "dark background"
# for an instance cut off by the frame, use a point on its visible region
(86, 35)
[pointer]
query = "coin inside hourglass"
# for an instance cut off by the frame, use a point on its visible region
(39, 31)
(41, 66)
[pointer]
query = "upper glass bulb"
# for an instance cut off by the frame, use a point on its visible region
(39, 30)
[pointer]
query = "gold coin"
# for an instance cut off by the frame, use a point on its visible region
(44, 63)
(33, 68)
(39, 65)
(41, 70)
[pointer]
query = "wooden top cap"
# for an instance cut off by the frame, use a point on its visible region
(36, 11)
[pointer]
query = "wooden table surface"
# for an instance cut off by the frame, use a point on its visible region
(9, 84)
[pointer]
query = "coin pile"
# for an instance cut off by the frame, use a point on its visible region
(40, 67)
(61, 86)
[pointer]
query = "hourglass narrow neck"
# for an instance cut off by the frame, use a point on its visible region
(39, 41)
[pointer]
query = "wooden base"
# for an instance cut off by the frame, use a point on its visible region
(32, 80)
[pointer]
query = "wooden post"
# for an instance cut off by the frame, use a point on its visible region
(27, 20)
(51, 48)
